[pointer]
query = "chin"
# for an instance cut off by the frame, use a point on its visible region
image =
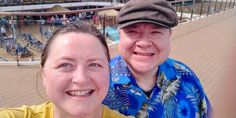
(82, 111)
(143, 65)
(143, 68)
(143, 71)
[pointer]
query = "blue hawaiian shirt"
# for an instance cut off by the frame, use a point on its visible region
(177, 93)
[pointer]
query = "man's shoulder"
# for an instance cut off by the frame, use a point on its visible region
(120, 73)
(116, 60)
(173, 69)
(173, 62)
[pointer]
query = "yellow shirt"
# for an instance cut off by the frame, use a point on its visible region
(45, 110)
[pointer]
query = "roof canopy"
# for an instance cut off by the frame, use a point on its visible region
(110, 12)
(57, 8)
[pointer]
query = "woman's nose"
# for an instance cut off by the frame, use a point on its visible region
(80, 76)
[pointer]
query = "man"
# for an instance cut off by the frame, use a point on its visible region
(3, 31)
(146, 83)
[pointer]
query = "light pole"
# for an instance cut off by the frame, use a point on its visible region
(104, 24)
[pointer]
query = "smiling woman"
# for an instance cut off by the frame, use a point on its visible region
(75, 73)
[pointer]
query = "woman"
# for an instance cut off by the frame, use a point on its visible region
(75, 73)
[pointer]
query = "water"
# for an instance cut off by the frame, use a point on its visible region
(112, 33)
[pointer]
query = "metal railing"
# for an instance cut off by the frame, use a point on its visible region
(34, 2)
(188, 10)
(27, 33)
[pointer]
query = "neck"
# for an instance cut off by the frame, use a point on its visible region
(97, 113)
(146, 81)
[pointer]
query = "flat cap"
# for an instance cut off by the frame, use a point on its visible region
(158, 12)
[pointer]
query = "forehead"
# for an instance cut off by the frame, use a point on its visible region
(72, 37)
(74, 43)
(146, 25)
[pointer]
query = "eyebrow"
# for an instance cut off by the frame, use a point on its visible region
(96, 59)
(134, 26)
(65, 58)
(89, 60)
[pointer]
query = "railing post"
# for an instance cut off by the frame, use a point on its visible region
(230, 4)
(234, 4)
(176, 6)
(103, 24)
(181, 10)
(208, 10)
(216, 2)
(221, 4)
(192, 10)
(201, 8)
(225, 5)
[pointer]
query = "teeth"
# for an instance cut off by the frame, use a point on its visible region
(80, 93)
(144, 54)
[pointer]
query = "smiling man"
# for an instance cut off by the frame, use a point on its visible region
(146, 83)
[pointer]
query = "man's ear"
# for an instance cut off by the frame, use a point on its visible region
(170, 33)
(118, 29)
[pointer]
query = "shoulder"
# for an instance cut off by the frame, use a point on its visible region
(176, 71)
(178, 77)
(116, 60)
(120, 73)
(117, 65)
(108, 113)
(178, 66)
(26, 111)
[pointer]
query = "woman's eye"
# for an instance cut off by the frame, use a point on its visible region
(65, 67)
(95, 65)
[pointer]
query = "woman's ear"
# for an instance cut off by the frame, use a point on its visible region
(43, 76)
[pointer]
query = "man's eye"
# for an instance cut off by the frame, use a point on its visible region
(131, 32)
(155, 32)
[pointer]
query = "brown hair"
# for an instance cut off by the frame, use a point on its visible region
(80, 27)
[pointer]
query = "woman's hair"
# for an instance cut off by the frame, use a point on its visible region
(80, 27)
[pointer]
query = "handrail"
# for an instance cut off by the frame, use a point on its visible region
(186, 12)
(54, 13)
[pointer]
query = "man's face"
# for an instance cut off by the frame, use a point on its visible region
(144, 46)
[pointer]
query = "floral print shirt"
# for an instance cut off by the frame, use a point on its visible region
(177, 93)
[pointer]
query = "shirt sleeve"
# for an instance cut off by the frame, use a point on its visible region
(11, 113)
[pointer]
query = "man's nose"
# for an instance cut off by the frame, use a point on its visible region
(144, 41)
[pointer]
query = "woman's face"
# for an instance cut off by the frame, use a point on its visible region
(76, 74)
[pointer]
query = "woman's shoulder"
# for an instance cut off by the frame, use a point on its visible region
(26, 111)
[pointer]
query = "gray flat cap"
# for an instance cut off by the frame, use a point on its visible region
(158, 12)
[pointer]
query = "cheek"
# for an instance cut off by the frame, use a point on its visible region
(125, 46)
(54, 82)
(102, 81)
(125, 41)
(47, 78)
(163, 46)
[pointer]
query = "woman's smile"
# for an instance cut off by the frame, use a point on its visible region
(80, 93)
